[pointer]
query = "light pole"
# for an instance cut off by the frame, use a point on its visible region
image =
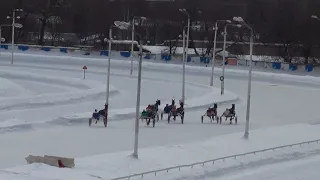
(241, 21)
(132, 44)
(13, 26)
(185, 51)
(214, 48)
(183, 64)
(136, 129)
(224, 54)
(120, 25)
(125, 25)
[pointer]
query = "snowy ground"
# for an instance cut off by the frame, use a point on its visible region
(45, 105)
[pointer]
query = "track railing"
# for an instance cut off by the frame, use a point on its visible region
(154, 172)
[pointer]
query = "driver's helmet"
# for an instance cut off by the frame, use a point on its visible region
(167, 104)
(95, 110)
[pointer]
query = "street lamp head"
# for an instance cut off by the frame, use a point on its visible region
(18, 17)
(182, 10)
(122, 25)
(228, 21)
(8, 17)
(239, 25)
(314, 17)
(18, 25)
(143, 18)
(238, 19)
(2, 39)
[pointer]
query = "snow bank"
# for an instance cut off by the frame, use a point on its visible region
(65, 59)
(113, 165)
(57, 80)
(9, 88)
(45, 100)
(83, 90)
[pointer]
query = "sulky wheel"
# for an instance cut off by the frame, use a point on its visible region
(90, 122)
(105, 121)
(236, 120)
(202, 119)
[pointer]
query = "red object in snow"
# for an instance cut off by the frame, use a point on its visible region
(61, 164)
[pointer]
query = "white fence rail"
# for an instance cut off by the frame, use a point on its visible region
(154, 172)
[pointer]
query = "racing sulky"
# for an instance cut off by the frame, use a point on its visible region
(177, 112)
(167, 109)
(97, 115)
(151, 112)
(230, 113)
(212, 114)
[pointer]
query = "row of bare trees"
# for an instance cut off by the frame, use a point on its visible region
(287, 23)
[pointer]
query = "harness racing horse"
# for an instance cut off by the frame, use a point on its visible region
(167, 109)
(97, 115)
(229, 114)
(212, 114)
(177, 112)
(153, 113)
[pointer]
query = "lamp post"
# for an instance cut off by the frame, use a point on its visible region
(185, 52)
(136, 131)
(13, 26)
(241, 21)
(214, 48)
(120, 25)
(224, 54)
(132, 44)
(125, 25)
(183, 64)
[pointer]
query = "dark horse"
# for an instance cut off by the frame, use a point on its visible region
(153, 113)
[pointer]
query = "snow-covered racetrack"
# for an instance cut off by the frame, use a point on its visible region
(36, 123)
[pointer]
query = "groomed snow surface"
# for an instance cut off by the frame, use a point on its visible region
(45, 104)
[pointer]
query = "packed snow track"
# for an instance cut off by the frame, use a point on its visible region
(45, 104)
